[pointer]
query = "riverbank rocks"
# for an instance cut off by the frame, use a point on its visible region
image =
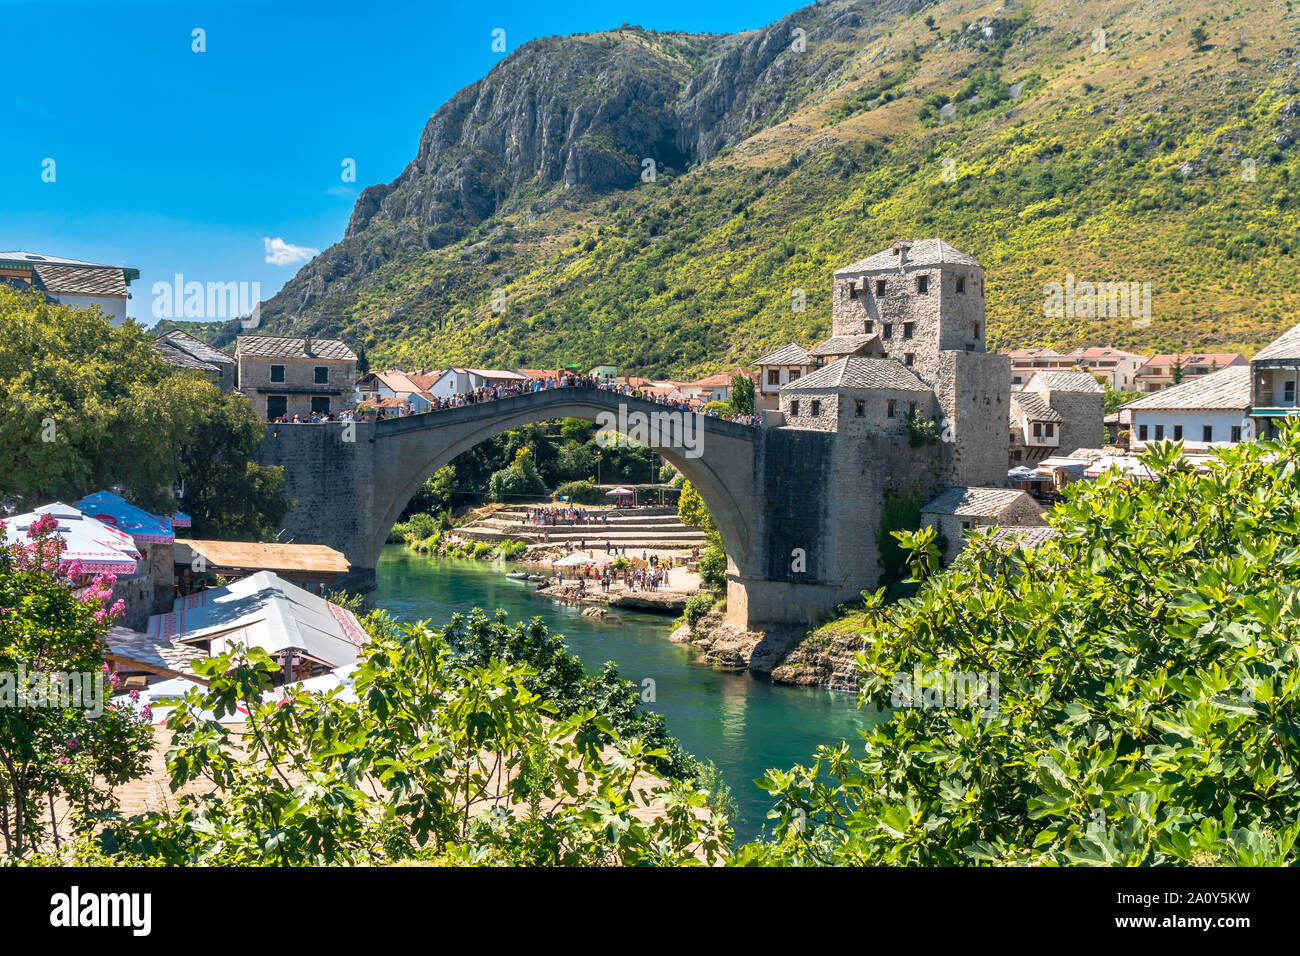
(667, 602)
(595, 611)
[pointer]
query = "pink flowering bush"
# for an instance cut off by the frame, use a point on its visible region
(52, 634)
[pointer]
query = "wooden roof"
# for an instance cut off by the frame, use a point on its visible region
(263, 556)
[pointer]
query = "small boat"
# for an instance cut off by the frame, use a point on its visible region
(521, 575)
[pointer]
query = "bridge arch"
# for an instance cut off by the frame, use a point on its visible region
(408, 451)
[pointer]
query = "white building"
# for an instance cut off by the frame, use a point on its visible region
(1204, 411)
(71, 282)
(456, 381)
(787, 364)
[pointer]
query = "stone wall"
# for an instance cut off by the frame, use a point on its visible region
(909, 322)
(973, 390)
(1081, 416)
(299, 385)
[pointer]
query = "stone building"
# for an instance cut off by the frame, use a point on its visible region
(905, 403)
(286, 376)
(1054, 413)
(785, 365)
(959, 510)
(181, 350)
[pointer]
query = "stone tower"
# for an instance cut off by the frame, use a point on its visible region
(919, 298)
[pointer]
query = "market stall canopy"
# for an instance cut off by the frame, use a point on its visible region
(139, 524)
(98, 548)
(180, 520)
(1021, 473)
(266, 611)
(620, 490)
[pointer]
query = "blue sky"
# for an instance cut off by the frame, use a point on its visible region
(175, 161)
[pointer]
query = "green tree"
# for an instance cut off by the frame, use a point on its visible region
(742, 395)
(1139, 691)
(52, 745)
(1199, 35)
(227, 493)
(442, 757)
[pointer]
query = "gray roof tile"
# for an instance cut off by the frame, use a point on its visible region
(792, 354)
(1228, 388)
(275, 346)
(923, 252)
(842, 344)
(856, 372)
(973, 502)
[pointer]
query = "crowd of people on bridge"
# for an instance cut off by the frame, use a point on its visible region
(495, 392)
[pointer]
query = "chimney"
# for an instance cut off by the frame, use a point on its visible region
(306, 345)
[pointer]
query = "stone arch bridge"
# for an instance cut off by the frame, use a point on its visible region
(770, 490)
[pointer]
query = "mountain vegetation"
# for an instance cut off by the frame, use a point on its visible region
(676, 203)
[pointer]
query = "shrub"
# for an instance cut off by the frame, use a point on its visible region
(583, 492)
(697, 605)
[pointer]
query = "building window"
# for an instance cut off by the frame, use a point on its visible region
(977, 330)
(1178, 433)
(922, 285)
(909, 358)
(969, 347)
(911, 409)
(890, 407)
(1160, 432)
(908, 329)
(774, 376)
(320, 403)
(965, 526)
(961, 284)
(794, 409)
(859, 409)
(322, 375)
(794, 374)
(816, 409)
(868, 326)
(1236, 433)
(1207, 433)
(889, 330)
(1288, 391)
(853, 290)
(277, 406)
(1038, 429)
(277, 373)
(880, 287)
(1142, 433)
(1051, 429)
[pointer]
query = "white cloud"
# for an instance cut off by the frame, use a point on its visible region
(281, 253)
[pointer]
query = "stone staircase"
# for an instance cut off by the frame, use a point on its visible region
(646, 528)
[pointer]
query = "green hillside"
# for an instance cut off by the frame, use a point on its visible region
(1164, 155)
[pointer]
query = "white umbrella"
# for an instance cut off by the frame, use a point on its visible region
(620, 490)
(576, 560)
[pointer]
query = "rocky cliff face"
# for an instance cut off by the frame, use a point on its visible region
(567, 119)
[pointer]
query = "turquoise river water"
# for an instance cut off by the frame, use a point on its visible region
(742, 723)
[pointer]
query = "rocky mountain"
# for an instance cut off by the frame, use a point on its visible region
(676, 202)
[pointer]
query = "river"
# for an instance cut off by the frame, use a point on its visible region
(742, 723)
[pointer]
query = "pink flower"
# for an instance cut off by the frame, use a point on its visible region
(134, 695)
(41, 525)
